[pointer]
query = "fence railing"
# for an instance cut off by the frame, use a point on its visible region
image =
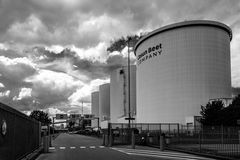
(215, 140)
(19, 135)
(145, 133)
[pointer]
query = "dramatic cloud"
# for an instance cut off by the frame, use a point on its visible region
(50, 87)
(53, 52)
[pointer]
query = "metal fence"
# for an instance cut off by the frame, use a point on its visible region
(144, 133)
(19, 135)
(214, 140)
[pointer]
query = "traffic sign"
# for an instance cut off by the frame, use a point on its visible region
(90, 116)
(75, 116)
(131, 118)
(61, 116)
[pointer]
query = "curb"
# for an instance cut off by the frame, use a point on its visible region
(34, 154)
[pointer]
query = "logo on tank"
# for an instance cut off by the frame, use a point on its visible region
(149, 53)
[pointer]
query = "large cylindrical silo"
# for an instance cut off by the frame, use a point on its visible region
(104, 104)
(180, 67)
(95, 108)
(119, 99)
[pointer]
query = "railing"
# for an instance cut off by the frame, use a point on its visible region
(20, 136)
(145, 133)
(215, 140)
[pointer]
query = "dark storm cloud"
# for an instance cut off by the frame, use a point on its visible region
(79, 22)
(89, 26)
(93, 69)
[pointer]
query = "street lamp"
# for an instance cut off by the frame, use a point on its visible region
(129, 105)
(129, 118)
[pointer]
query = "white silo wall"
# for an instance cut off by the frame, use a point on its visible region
(104, 102)
(95, 107)
(119, 101)
(190, 64)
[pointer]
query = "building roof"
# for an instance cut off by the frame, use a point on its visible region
(185, 24)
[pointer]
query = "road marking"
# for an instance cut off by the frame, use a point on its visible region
(62, 147)
(72, 147)
(82, 147)
(92, 147)
(51, 148)
(160, 154)
(101, 146)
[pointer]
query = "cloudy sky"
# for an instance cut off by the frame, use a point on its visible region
(53, 52)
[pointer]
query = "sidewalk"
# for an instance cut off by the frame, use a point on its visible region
(146, 151)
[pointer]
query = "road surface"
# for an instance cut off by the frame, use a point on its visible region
(79, 147)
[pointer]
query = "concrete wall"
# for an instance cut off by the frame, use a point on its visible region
(190, 66)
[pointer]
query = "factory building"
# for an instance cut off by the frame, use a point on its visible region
(104, 104)
(181, 67)
(119, 94)
(95, 108)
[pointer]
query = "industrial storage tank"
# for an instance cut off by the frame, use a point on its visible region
(95, 107)
(181, 67)
(119, 94)
(104, 104)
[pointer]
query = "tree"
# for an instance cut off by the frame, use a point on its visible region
(121, 43)
(215, 113)
(232, 112)
(41, 117)
(212, 113)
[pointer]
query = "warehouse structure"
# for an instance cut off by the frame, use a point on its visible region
(181, 67)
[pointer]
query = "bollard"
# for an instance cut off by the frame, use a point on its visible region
(50, 140)
(104, 140)
(162, 142)
(110, 139)
(45, 144)
(133, 140)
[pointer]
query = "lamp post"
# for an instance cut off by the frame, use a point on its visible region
(129, 105)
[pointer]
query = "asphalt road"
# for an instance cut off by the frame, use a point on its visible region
(79, 147)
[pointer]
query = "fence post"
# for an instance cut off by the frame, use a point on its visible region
(45, 143)
(200, 139)
(162, 142)
(110, 138)
(133, 139)
(122, 133)
(222, 134)
(178, 133)
(49, 136)
(39, 134)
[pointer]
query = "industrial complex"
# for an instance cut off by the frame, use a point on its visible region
(179, 67)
